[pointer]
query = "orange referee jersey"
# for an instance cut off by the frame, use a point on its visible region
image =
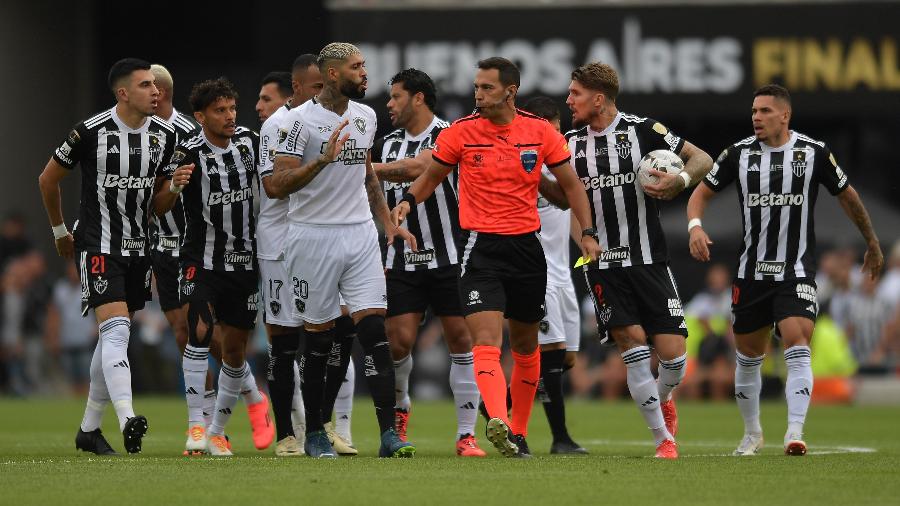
(499, 169)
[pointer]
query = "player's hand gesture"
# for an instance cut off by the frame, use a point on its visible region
(182, 176)
(335, 144)
(699, 244)
(873, 261)
(396, 231)
(590, 248)
(399, 212)
(65, 246)
(667, 187)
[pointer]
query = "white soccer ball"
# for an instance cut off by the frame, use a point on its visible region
(662, 160)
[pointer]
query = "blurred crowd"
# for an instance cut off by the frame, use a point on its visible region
(46, 345)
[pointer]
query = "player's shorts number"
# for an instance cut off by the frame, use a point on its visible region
(301, 288)
(275, 288)
(98, 264)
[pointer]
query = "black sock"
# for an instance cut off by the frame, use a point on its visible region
(281, 381)
(338, 361)
(378, 368)
(312, 363)
(552, 364)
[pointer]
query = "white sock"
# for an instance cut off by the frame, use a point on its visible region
(230, 379)
(402, 370)
(465, 392)
(747, 385)
(298, 410)
(670, 374)
(644, 392)
(194, 365)
(98, 395)
(249, 389)
(343, 405)
(114, 334)
(209, 407)
(798, 386)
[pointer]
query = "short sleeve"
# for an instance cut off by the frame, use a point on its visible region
(268, 143)
(556, 147)
(70, 151)
(724, 170)
(446, 149)
(295, 138)
(168, 152)
(180, 156)
(831, 175)
(655, 136)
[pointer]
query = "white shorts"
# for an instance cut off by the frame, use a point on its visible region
(563, 321)
(327, 262)
(277, 293)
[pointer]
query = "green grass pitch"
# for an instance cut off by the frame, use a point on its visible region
(854, 459)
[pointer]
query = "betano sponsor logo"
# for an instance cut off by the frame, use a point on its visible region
(608, 181)
(774, 199)
(231, 197)
(127, 182)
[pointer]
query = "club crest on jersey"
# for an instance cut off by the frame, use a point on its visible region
(798, 164)
(246, 155)
(360, 125)
(100, 285)
(275, 307)
(529, 158)
(623, 146)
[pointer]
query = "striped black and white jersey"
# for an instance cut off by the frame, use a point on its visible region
(166, 231)
(119, 166)
(777, 190)
(436, 220)
(218, 201)
(626, 219)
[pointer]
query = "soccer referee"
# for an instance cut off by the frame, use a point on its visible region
(503, 274)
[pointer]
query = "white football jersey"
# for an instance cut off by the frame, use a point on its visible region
(337, 195)
(271, 222)
(555, 224)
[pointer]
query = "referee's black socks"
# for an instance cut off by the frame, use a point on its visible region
(318, 346)
(378, 368)
(281, 380)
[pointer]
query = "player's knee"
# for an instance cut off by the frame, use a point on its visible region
(370, 330)
(284, 350)
(319, 342)
(199, 325)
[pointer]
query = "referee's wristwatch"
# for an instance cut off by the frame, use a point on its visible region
(592, 232)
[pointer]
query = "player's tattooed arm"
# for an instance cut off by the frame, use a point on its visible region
(874, 259)
(553, 192)
(291, 174)
(380, 210)
(403, 170)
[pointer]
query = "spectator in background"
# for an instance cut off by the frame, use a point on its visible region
(867, 314)
(13, 242)
(14, 284)
(70, 338)
(889, 288)
(836, 280)
(715, 359)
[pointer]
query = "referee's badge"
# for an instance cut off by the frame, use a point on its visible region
(529, 159)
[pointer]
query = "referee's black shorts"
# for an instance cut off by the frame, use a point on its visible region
(505, 273)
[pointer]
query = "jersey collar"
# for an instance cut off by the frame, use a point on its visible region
(125, 128)
(612, 126)
(784, 147)
(425, 133)
(214, 148)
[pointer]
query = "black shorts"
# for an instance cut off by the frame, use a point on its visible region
(415, 291)
(165, 270)
(233, 296)
(762, 303)
(113, 278)
(644, 295)
(502, 273)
